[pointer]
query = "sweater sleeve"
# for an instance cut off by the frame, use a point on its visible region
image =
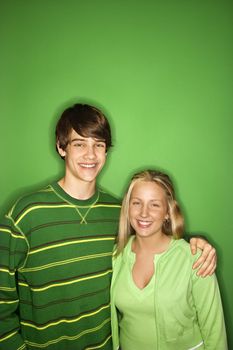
(208, 304)
(13, 252)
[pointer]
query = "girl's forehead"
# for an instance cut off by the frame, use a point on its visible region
(146, 188)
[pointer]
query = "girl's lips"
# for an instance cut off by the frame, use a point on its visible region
(143, 223)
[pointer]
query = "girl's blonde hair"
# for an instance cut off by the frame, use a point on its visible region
(173, 226)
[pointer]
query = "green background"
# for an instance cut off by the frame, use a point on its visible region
(163, 73)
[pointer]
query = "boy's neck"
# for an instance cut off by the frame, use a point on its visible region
(79, 190)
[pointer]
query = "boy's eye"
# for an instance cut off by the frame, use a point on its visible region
(78, 144)
(100, 145)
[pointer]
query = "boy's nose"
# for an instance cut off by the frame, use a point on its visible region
(90, 152)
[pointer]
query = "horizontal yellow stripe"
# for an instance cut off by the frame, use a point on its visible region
(64, 320)
(75, 337)
(65, 262)
(65, 283)
(6, 289)
(12, 234)
(8, 336)
(70, 243)
(51, 206)
(9, 302)
(5, 230)
(7, 271)
(99, 346)
(107, 205)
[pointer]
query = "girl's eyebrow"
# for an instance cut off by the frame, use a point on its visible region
(151, 200)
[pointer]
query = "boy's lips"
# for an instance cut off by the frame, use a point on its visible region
(87, 165)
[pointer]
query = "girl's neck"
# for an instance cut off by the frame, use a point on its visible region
(151, 245)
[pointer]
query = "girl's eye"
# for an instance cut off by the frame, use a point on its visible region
(155, 205)
(135, 203)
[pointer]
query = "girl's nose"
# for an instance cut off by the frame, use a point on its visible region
(144, 210)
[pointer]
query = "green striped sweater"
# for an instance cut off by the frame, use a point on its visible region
(55, 271)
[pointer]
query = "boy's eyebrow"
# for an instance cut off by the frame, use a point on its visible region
(77, 139)
(84, 139)
(98, 140)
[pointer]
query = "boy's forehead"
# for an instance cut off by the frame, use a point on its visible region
(75, 136)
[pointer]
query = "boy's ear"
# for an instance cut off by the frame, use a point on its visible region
(60, 150)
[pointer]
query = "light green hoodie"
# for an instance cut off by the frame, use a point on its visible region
(187, 308)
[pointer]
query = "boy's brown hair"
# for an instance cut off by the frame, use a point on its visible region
(87, 121)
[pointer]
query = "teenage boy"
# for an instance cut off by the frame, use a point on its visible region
(56, 248)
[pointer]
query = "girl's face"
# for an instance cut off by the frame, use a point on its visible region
(147, 208)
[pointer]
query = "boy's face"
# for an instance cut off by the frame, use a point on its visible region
(84, 157)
